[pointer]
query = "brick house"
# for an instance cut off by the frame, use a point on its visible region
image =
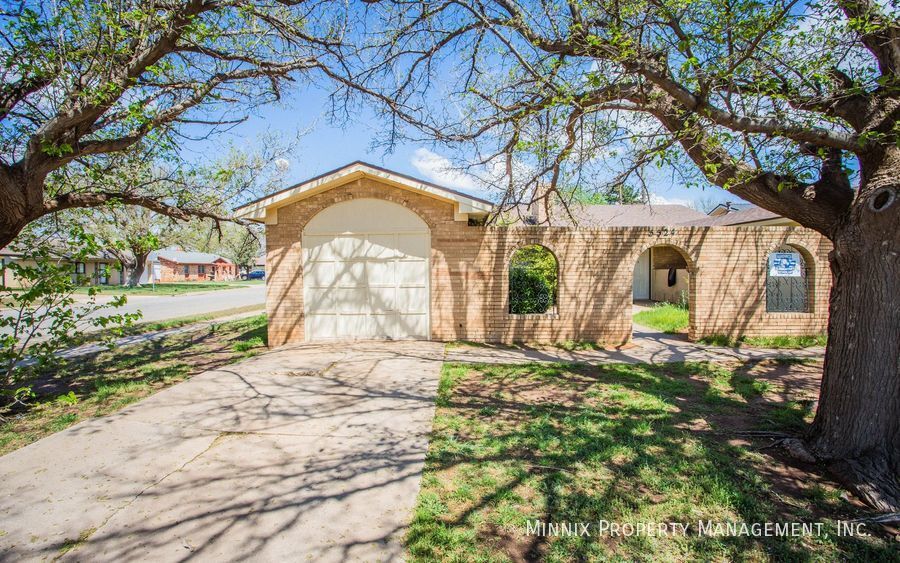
(363, 252)
(165, 266)
(102, 269)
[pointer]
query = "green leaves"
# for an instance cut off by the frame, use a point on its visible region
(43, 316)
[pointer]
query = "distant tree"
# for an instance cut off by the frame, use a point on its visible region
(241, 245)
(622, 194)
(130, 233)
(706, 204)
(792, 106)
(85, 81)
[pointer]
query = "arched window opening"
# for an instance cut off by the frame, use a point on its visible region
(533, 280)
(787, 285)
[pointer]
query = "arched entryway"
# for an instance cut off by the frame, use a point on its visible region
(662, 281)
(366, 272)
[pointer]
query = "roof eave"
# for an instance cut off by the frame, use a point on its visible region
(266, 210)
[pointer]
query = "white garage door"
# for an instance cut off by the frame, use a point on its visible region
(366, 272)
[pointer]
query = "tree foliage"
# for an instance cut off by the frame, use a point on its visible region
(132, 232)
(242, 246)
(533, 280)
(44, 317)
(784, 103)
(84, 81)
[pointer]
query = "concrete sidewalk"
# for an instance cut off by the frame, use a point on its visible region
(648, 346)
(311, 452)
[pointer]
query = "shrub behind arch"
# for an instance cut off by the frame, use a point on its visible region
(533, 280)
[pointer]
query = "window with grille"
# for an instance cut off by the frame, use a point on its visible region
(787, 282)
(533, 280)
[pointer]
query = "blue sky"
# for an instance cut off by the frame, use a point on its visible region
(326, 146)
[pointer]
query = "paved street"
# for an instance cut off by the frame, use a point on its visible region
(310, 452)
(160, 308)
(169, 307)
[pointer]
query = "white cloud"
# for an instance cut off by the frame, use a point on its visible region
(440, 170)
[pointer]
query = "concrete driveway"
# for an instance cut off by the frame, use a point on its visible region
(312, 452)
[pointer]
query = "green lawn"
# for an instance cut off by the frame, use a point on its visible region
(170, 288)
(666, 317)
(627, 444)
(109, 381)
(789, 342)
(672, 319)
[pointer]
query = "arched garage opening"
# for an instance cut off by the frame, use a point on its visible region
(366, 272)
(661, 289)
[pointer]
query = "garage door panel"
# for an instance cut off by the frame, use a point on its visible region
(412, 273)
(413, 246)
(319, 274)
(350, 274)
(382, 299)
(381, 272)
(385, 325)
(351, 326)
(349, 246)
(319, 300)
(318, 247)
(323, 326)
(351, 300)
(411, 300)
(382, 246)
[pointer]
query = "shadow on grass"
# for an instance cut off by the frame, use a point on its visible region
(154, 363)
(621, 443)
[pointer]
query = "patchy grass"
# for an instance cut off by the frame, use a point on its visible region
(623, 443)
(784, 341)
(246, 345)
(106, 382)
(577, 345)
(666, 317)
(454, 344)
(69, 544)
(178, 322)
(173, 288)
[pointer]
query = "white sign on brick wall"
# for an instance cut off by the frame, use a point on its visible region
(785, 264)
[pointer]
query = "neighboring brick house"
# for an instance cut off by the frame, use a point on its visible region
(363, 252)
(165, 266)
(103, 269)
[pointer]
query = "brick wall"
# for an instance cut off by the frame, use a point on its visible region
(174, 272)
(469, 274)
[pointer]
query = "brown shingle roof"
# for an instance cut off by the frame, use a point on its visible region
(629, 215)
(750, 214)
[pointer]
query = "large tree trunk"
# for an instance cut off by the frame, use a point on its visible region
(857, 424)
(11, 223)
